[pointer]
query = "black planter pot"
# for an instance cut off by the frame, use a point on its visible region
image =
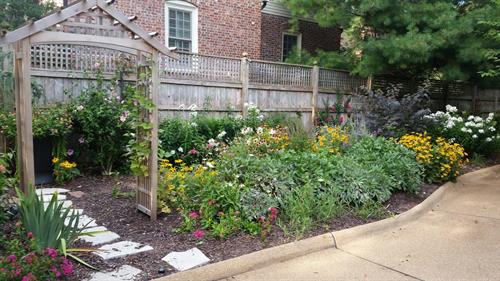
(43, 160)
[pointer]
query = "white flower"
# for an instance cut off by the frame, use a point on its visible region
(193, 124)
(488, 139)
(261, 117)
(246, 131)
(469, 131)
(478, 119)
(474, 136)
(221, 134)
(450, 124)
(481, 131)
(471, 117)
(492, 129)
(172, 152)
(180, 149)
(212, 143)
(79, 108)
(210, 165)
(463, 129)
(452, 139)
(238, 117)
(469, 124)
(451, 109)
(260, 130)
(272, 132)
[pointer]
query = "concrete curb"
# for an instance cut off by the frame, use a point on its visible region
(252, 261)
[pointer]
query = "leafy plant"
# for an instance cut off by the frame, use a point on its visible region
(64, 170)
(52, 226)
(98, 127)
(391, 116)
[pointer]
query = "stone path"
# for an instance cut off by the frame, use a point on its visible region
(110, 249)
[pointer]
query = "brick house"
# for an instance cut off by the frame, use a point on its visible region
(229, 27)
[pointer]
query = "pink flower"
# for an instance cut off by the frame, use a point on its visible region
(11, 259)
(2, 169)
(67, 267)
(194, 215)
(341, 119)
(51, 252)
(29, 258)
(199, 233)
(97, 65)
(193, 152)
(30, 234)
(81, 140)
(55, 271)
(28, 277)
(70, 152)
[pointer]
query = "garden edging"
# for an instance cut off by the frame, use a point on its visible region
(245, 263)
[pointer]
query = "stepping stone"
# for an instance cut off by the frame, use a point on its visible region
(122, 249)
(186, 260)
(95, 229)
(66, 204)
(76, 194)
(50, 191)
(100, 238)
(124, 273)
(84, 221)
(48, 197)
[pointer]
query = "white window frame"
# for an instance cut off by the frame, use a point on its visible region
(299, 42)
(183, 6)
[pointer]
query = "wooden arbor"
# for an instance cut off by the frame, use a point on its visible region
(93, 23)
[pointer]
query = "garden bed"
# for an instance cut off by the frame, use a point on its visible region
(119, 215)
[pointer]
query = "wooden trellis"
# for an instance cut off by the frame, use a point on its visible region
(92, 23)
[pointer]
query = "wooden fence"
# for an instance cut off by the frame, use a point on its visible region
(221, 85)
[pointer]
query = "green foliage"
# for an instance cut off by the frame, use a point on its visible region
(6, 181)
(332, 60)
(373, 210)
(397, 162)
(52, 122)
(53, 226)
(16, 12)
(98, 127)
(139, 107)
(419, 38)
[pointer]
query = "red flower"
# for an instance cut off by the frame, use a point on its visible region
(28, 277)
(341, 119)
(193, 152)
(199, 233)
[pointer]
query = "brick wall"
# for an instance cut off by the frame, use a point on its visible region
(313, 36)
(225, 27)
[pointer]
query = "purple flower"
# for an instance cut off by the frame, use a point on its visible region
(70, 152)
(199, 233)
(51, 252)
(81, 140)
(55, 271)
(11, 259)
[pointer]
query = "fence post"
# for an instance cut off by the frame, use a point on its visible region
(244, 77)
(315, 90)
(369, 83)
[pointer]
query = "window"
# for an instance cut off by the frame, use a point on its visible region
(290, 42)
(181, 25)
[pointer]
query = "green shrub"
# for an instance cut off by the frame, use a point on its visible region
(396, 161)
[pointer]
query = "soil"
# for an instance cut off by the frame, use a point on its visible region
(119, 215)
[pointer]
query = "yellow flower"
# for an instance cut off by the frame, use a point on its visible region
(178, 161)
(55, 160)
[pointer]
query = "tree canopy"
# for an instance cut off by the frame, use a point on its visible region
(453, 40)
(14, 13)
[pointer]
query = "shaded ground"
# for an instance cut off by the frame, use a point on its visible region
(119, 215)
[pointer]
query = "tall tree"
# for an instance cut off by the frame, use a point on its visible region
(437, 38)
(14, 13)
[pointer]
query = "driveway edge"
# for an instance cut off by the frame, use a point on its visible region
(252, 261)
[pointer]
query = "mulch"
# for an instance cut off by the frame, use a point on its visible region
(119, 215)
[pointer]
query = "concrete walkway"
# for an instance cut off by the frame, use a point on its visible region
(459, 239)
